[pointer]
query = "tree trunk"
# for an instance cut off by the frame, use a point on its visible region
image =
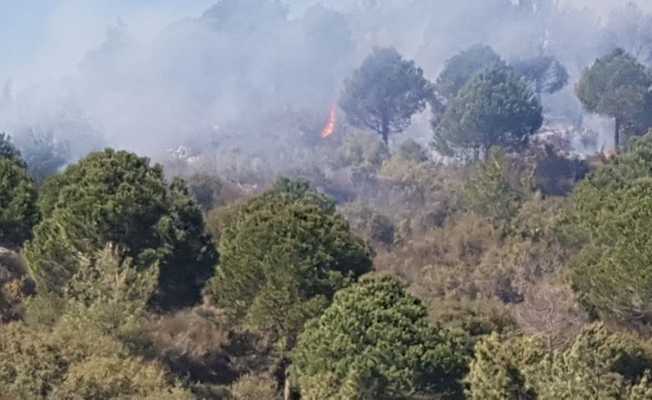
(286, 389)
(617, 136)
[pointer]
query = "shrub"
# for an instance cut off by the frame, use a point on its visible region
(18, 210)
(115, 196)
(612, 272)
(15, 285)
(9, 151)
(113, 378)
(598, 365)
(375, 342)
(30, 367)
(362, 150)
(413, 151)
(283, 256)
(251, 387)
(200, 345)
(497, 188)
(75, 362)
(497, 370)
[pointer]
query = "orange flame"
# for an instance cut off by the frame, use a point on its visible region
(330, 125)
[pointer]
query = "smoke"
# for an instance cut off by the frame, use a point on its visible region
(150, 75)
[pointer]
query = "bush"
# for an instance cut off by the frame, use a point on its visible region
(612, 272)
(9, 151)
(497, 188)
(30, 367)
(598, 365)
(283, 257)
(113, 378)
(362, 150)
(610, 217)
(73, 363)
(83, 344)
(251, 387)
(15, 285)
(498, 369)
(375, 342)
(118, 197)
(200, 345)
(413, 151)
(18, 210)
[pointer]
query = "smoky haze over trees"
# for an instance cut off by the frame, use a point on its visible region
(248, 60)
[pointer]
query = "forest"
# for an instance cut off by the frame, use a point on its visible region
(267, 204)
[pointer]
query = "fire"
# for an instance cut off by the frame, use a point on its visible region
(330, 125)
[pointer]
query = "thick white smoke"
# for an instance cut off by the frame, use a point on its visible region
(151, 75)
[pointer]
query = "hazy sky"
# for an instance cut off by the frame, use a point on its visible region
(43, 39)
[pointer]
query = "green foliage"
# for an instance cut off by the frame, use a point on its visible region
(611, 216)
(616, 85)
(9, 151)
(384, 93)
(110, 294)
(18, 210)
(496, 190)
(620, 171)
(598, 365)
(118, 197)
(282, 258)
(87, 351)
(375, 342)
(495, 108)
(498, 368)
(612, 273)
(463, 67)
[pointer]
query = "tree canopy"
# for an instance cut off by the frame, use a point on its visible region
(597, 365)
(612, 214)
(283, 255)
(18, 196)
(495, 108)
(617, 86)
(384, 93)
(9, 151)
(544, 73)
(116, 196)
(462, 67)
(375, 342)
